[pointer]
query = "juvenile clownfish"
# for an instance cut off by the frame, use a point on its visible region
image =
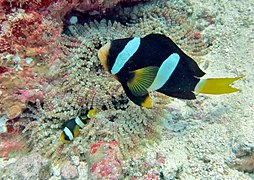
(72, 126)
(156, 63)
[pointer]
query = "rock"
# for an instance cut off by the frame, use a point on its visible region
(244, 158)
(105, 160)
(100, 5)
(75, 160)
(83, 170)
(33, 166)
(69, 171)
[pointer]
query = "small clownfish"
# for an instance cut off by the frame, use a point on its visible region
(72, 126)
(156, 63)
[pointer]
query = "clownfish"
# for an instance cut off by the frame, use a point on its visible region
(156, 63)
(72, 126)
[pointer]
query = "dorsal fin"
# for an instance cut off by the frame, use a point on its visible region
(171, 46)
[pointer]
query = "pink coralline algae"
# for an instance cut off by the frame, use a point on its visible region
(30, 36)
(3, 69)
(11, 144)
(29, 40)
(17, 88)
(105, 160)
(30, 95)
(28, 32)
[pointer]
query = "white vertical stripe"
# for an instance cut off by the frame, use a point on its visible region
(165, 71)
(128, 51)
(68, 133)
(79, 122)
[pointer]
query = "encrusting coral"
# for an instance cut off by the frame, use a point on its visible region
(79, 81)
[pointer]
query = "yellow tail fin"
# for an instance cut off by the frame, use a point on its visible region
(216, 85)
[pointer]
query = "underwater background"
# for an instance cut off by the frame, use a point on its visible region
(50, 71)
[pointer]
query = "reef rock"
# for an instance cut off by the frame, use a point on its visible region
(90, 5)
(244, 158)
(105, 160)
(69, 171)
(33, 166)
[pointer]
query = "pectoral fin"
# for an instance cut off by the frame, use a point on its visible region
(141, 79)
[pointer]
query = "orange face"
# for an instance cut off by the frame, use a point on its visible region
(103, 54)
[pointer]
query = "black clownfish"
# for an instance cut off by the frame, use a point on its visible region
(156, 63)
(72, 126)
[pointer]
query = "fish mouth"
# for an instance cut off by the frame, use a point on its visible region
(103, 55)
